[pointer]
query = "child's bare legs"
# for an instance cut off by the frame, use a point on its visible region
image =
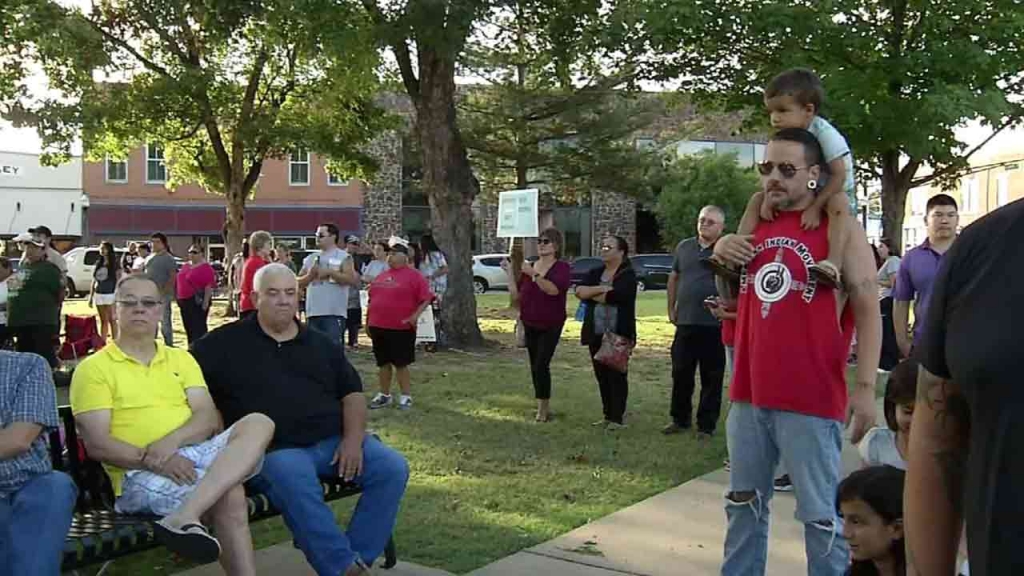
(751, 216)
(828, 271)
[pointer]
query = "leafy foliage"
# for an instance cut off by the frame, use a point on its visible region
(558, 109)
(900, 75)
(696, 181)
(222, 84)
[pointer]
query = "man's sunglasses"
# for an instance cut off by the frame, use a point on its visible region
(544, 241)
(785, 168)
(146, 303)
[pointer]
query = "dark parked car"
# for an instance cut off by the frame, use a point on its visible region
(652, 271)
(581, 266)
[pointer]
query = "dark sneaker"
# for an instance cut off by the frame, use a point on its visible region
(783, 484)
(704, 435)
(381, 401)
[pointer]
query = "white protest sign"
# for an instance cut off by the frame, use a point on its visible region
(425, 326)
(518, 214)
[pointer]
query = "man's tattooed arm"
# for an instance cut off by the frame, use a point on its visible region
(934, 494)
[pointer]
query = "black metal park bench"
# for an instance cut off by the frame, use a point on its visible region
(98, 534)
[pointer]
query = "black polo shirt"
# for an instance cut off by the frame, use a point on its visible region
(298, 383)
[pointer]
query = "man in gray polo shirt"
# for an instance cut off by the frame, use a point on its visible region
(698, 340)
(327, 275)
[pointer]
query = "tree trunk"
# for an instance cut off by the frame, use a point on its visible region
(894, 200)
(451, 187)
(234, 230)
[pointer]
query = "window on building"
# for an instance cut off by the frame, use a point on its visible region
(298, 168)
(333, 180)
(116, 171)
(969, 195)
(1002, 189)
(918, 200)
(156, 170)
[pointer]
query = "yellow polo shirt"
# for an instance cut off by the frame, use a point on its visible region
(146, 402)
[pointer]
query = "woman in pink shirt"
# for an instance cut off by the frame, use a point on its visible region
(397, 298)
(194, 291)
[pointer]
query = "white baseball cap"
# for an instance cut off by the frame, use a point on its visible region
(30, 239)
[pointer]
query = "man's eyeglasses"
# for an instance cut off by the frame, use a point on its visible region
(785, 168)
(146, 303)
(322, 235)
(708, 221)
(544, 241)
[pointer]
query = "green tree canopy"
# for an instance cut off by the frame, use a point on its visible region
(223, 85)
(697, 180)
(900, 75)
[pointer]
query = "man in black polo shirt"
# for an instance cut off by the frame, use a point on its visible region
(698, 340)
(270, 363)
(967, 434)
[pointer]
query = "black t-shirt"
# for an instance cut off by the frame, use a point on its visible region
(974, 336)
(298, 383)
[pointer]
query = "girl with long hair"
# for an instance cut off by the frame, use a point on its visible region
(104, 281)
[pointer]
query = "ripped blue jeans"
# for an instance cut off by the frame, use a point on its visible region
(809, 449)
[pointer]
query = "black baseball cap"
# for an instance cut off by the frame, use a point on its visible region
(351, 239)
(45, 231)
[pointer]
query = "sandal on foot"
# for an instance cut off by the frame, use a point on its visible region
(721, 269)
(826, 274)
(192, 542)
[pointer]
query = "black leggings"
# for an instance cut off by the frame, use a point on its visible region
(194, 319)
(541, 344)
(614, 386)
(890, 349)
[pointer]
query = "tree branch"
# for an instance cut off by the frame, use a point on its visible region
(949, 170)
(401, 48)
(146, 62)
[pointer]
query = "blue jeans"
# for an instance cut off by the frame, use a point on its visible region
(33, 524)
(809, 448)
(166, 329)
(330, 326)
(290, 478)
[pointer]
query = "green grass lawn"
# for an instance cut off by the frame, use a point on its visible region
(487, 480)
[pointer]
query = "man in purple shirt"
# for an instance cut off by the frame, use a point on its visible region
(918, 269)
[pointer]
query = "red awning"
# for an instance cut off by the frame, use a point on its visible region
(209, 220)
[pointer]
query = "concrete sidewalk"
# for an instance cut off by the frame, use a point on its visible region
(679, 531)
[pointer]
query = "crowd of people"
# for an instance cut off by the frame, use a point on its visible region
(273, 401)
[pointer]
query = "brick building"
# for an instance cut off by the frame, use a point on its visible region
(129, 200)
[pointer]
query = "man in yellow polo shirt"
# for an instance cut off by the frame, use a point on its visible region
(144, 411)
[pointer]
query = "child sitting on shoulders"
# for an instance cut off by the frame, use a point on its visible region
(793, 100)
(889, 445)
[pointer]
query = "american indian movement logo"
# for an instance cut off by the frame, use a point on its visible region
(773, 281)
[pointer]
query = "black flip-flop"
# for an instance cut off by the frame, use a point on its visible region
(721, 269)
(192, 542)
(826, 275)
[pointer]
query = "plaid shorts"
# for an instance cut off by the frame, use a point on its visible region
(145, 492)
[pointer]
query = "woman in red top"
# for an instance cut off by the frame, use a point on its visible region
(194, 290)
(261, 243)
(540, 291)
(397, 298)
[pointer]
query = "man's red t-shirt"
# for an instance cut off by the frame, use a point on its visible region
(252, 265)
(791, 347)
(394, 295)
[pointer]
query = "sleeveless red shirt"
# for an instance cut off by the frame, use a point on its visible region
(791, 347)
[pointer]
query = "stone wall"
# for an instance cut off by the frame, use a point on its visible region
(382, 202)
(612, 213)
(487, 229)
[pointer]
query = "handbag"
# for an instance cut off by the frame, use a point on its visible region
(198, 296)
(520, 334)
(615, 351)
